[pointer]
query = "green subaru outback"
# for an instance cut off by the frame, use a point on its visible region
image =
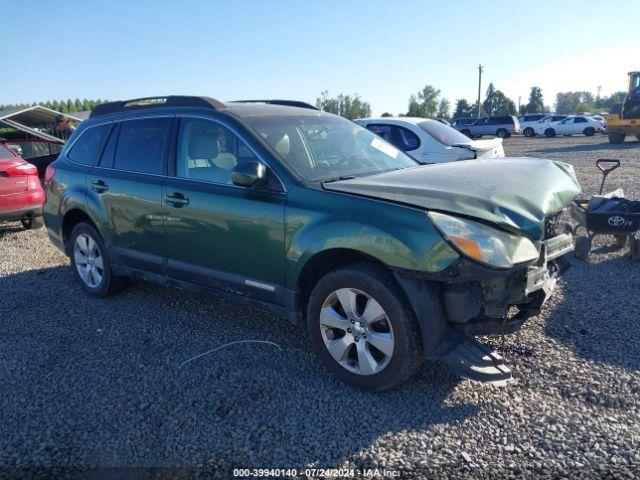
(280, 206)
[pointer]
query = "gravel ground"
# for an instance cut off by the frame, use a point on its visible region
(88, 383)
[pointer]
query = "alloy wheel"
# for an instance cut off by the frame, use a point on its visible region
(356, 331)
(88, 260)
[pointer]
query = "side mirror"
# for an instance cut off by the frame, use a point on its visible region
(249, 174)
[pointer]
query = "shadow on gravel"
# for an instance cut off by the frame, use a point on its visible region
(588, 147)
(8, 228)
(96, 382)
(600, 314)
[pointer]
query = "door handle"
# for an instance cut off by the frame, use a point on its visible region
(177, 199)
(99, 186)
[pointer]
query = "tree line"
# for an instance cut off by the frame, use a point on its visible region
(429, 103)
(64, 106)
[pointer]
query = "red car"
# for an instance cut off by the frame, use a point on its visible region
(38, 152)
(21, 193)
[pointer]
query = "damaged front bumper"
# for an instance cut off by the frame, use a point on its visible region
(500, 302)
(468, 299)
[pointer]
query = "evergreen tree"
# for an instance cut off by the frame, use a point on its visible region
(536, 102)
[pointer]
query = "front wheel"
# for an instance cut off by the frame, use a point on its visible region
(91, 262)
(363, 328)
(466, 132)
(549, 133)
(589, 131)
(615, 138)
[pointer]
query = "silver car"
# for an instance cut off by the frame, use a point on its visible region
(500, 125)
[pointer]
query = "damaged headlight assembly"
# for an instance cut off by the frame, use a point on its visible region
(487, 245)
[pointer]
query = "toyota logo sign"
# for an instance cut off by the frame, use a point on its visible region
(616, 221)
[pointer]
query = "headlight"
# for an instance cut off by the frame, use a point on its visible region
(485, 244)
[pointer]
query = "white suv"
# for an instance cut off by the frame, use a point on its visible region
(430, 141)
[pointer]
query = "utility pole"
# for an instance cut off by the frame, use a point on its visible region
(480, 69)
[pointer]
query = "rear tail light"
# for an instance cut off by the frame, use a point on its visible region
(21, 170)
(49, 173)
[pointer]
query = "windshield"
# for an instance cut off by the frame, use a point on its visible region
(443, 133)
(324, 147)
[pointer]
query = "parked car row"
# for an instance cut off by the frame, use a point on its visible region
(572, 125)
(502, 126)
(531, 125)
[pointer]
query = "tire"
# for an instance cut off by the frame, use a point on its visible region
(529, 132)
(362, 288)
(589, 131)
(615, 138)
(549, 133)
(86, 245)
(638, 137)
(502, 133)
(621, 240)
(582, 247)
(466, 132)
(31, 222)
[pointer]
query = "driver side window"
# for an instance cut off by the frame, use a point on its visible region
(209, 152)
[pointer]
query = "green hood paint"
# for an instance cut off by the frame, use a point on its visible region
(514, 193)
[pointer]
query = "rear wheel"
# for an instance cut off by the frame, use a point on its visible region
(30, 221)
(91, 262)
(615, 138)
(363, 328)
(529, 132)
(589, 131)
(502, 133)
(549, 133)
(466, 132)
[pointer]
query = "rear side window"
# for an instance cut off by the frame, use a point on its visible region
(85, 150)
(399, 137)
(406, 139)
(580, 120)
(141, 145)
(383, 131)
(5, 153)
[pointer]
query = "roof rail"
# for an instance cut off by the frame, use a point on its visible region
(286, 103)
(155, 102)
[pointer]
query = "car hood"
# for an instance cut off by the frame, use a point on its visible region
(514, 193)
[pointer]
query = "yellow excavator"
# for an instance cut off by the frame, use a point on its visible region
(627, 122)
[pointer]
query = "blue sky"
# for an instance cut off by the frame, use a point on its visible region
(383, 50)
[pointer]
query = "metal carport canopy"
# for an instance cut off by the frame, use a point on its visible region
(30, 119)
